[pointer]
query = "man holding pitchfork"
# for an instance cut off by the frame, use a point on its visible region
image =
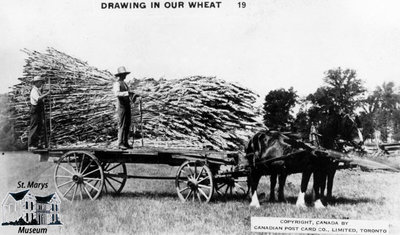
(124, 97)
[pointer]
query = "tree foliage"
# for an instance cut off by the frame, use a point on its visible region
(340, 95)
(277, 107)
(381, 112)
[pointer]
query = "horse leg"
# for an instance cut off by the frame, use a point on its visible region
(305, 177)
(281, 193)
(272, 180)
(331, 175)
(254, 180)
(319, 188)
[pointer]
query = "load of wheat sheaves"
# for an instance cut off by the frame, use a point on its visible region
(196, 111)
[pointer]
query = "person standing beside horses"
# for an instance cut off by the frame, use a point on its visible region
(37, 113)
(314, 135)
(124, 97)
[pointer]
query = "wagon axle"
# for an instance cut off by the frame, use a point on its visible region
(78, 178)
(192, 183)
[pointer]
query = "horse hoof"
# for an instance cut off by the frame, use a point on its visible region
(301, 205)
(254, 205)
(301, 201)
(318, 204)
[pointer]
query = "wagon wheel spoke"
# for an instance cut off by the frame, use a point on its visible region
(73, 195)
(227, 188)
(190, 193)
(117, 165)
(69, 163)
(87, 166)
(111, 178)
(105, 167)
(91, 179)
(93, 171)
(218, 187)
(203, 193)
(80, 191)
(95, 184)
(68, 182)
(201, 171)
(90, 196)
(81, 166)
(109, 183)
(239, 187)
(68, 190)
(218, 191)
(204, 186)
(65, 169)
(105, 188)
(76, 163)
(191, 172)
(92, 186)
(184, 189)
(198, 196)
(195, 170)
(63, 176)
(203, 179)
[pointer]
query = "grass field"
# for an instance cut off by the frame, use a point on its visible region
(152, 207)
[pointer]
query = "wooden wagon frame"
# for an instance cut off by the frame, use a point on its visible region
(86, 173)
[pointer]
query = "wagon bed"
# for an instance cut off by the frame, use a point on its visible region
(155, 155)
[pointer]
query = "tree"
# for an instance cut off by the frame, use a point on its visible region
(381, 111)
(277, 107)
(301, 124)
(340, 96)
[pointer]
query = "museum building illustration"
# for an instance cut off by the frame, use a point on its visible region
(24, 208)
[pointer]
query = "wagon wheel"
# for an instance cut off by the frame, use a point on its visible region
(230, 187)
(78, 175)
(194, 181)
(115, 176)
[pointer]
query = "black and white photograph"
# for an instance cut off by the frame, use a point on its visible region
(200, 117)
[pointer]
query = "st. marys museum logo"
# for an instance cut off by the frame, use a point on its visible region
(24, 208)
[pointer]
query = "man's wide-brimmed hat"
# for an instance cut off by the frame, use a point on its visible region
(121, 70)
(38, 78)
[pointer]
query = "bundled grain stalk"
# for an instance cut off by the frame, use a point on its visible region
(201, 111)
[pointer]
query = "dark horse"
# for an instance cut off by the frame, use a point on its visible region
(273, 153)
(268, 147)
(337, 132)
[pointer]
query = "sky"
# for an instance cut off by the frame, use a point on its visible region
(267, 45)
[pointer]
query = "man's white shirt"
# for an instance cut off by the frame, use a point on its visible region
(35, 94)
(117, 91)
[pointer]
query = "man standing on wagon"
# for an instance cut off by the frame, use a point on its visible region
(36, 112)
(124, 97)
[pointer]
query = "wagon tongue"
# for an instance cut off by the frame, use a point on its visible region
(333, 154)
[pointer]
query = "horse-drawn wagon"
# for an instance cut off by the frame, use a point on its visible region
(86, 173)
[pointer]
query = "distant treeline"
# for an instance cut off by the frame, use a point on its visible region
(8, 140)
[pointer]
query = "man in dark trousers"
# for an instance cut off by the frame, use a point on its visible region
(37, 113)
(124, 96)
